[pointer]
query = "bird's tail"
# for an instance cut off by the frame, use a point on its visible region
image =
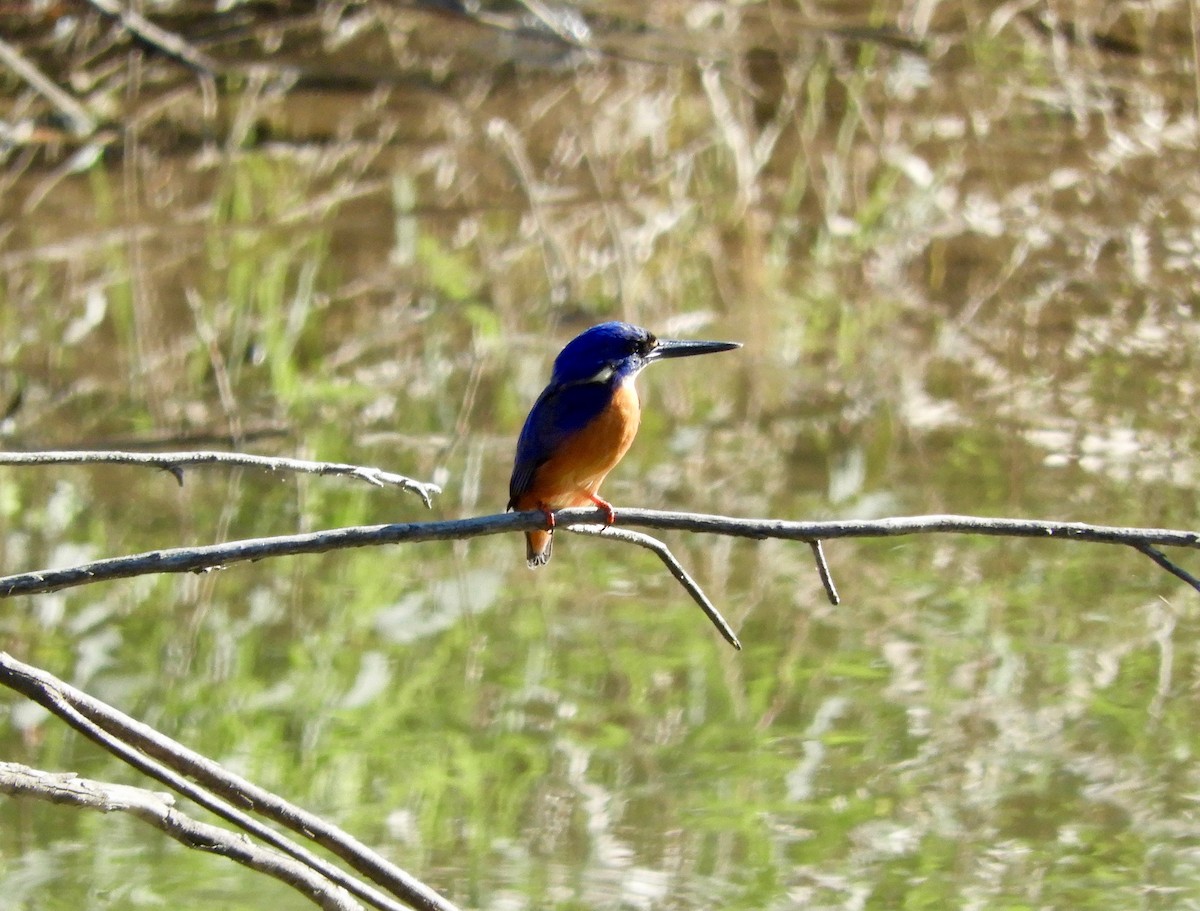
(538, 545)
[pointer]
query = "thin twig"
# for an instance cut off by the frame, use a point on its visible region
(214, 556)
(818, 553)
(157, 37)
(663, 553)
(175, 462)
(1161, 559)
(82, 123)
(158, 809)
(157, 756)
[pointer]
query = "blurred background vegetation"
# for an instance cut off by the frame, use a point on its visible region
(959, 241)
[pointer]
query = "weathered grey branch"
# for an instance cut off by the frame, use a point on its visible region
(175, 462)
(219, 556)
(216, 556)
(675, 567)
(207, 784)
(158, 809)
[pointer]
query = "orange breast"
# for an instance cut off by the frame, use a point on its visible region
(585, 459)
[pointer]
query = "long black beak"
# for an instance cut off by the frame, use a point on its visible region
(669, 347)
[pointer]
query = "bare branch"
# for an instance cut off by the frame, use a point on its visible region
(216, 556)
(1161, 559)
(175, 462)
(823, 571)
(157, 809)
(168, 762)
(677, 570)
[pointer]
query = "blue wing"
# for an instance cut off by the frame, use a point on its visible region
(559, 412)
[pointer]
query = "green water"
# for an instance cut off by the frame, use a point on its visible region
(966, 280)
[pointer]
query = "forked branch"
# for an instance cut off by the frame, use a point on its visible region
(217, 556)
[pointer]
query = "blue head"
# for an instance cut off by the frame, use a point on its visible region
(619, 351)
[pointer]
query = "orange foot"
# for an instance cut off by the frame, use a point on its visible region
(548, 514)
(610, 514)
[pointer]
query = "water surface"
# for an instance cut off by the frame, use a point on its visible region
(960, 247)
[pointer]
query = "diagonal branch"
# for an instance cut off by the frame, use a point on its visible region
(1161, 559)
(826, 576)
(175, 462)
(158, 809)
(201, 780)
(676, 569)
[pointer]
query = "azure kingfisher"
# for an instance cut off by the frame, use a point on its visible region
(584, 422)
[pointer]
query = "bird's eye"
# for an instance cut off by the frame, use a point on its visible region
(646, 345)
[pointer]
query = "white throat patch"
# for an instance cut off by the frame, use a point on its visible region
(603, 375)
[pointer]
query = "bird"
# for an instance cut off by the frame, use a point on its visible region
(584, 422)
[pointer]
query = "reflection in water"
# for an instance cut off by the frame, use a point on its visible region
(959, 243)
